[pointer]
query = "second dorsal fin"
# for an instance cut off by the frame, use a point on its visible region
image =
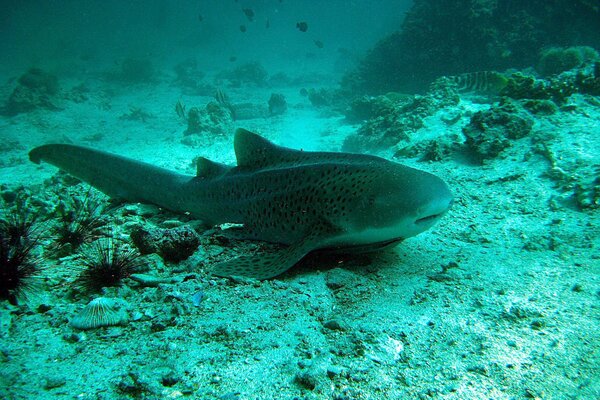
(206, 168)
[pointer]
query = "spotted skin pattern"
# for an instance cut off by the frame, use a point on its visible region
(303, 200)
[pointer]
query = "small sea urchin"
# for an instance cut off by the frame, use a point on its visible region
(80, 221)
(106, 264)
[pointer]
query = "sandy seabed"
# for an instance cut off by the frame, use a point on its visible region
(500, 300)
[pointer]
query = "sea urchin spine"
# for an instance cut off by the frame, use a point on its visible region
(107, 264)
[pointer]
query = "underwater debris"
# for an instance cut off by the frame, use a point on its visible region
(18, 265)
(151, 280)
(36, 89)
(490, 132)
(101, 311)
(105, 264)
(174, 244)
(277, 104)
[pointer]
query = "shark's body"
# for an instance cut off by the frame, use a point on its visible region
(304, 200)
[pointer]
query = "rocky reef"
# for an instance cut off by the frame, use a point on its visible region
(447, 37)
(35, 89)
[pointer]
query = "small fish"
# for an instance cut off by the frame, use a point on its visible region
(180, 110)
(200, 18)
(221, 97)
(249, 13)
(302, 26)
(484, 81)
(303, 92)
(243, 28)
(267, 23)
(319, 44)
(232, 59)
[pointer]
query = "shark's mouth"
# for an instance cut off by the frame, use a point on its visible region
(428, 219)
(361, 248)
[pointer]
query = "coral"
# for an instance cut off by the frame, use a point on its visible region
(36, 89)
(174, 244)
(555, 60)
(589, 81)
(490, 132)
(540, 107)
(105, 264)
(101, 312)
(277, 104)
(393, 117)
(522, 86)
(448, 37)
(247, 74)
(215, 119)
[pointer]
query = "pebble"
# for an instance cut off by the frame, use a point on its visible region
(334, 325)
(54, 382)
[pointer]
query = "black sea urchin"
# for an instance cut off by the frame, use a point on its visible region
(18, 266)
(106, 264)
(80, 221)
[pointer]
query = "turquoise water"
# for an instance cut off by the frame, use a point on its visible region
(286, 199)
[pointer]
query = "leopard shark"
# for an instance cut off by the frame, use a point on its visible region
(302, 200)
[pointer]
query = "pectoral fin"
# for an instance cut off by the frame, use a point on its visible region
(265, 265)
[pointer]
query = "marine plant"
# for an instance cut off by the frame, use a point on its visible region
(18, 266)
(105, 264)
(80, 221)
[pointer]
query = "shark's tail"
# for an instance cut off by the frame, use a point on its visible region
(114, 175)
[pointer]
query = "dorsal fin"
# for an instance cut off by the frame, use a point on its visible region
(206, 168)
(253, 151)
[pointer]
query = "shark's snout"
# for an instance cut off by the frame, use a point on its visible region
(434, 211)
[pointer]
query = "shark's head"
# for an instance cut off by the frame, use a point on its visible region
(397, 203)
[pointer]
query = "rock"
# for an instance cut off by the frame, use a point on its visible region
(36, 89)
(307, 379)
(215, 119)
(334, 325)
(54, 382)
(490, 132)
(174, 244)
(338, 278)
